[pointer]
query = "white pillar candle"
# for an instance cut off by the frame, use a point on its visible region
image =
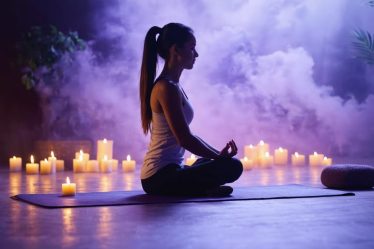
(315, 159)
(53, 161)
(128, 165)
(297, 159)
(262, 148)
(60, 165)
(45, 167)
(280, 156)
(79, 165)
(32, 168)
(92, 166)
(326, 161)
(250, 152)
(68, 189)
(247, 163)
(191, 160)
(105, 165)
(15, 164)
(85, 156)
(266, 161)
(104, 147)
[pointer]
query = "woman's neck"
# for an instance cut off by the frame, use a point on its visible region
(171, 73)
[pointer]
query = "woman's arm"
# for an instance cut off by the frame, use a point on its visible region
(206, 144)
(169, 98)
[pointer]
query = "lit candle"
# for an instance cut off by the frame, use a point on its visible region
(326, 161)
(68, 189)
(106, 165)
(92, 166)
(128, 165)
(15, 164)
(32, 168)
(85, 156)
(60, 165)
(297, 159)
(280, 156)
(250, 152)
(267, 160)
(104, 147)
(247, 163)
(315, 159)
(45, 167)
(79, 165)
(262, 148)
(191, 160)
(53, 160)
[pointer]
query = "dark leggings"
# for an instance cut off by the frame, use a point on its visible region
(204, 174)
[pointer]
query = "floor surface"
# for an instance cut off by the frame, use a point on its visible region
(329, 222)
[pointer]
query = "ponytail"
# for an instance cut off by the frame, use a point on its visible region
(147, 76)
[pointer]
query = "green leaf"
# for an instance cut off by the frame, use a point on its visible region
(364, 45)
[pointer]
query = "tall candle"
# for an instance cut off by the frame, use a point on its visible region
(53, 161)
(326, 161)
(15, 164)
(92, 166)
(45, 167)
(250, 152)
(247, 163)
(191, 160)
(32, 168)
(106, 165)
(315, 159)
(68, 189)
(128, 165)
(104, 147)
(79, 165)
(280, 156)
(297, 159)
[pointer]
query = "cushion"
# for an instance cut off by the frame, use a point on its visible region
(348, 176)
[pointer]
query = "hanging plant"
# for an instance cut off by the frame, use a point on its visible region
(364, 45)
(41, 48)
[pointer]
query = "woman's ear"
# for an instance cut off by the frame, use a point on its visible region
(174, 50)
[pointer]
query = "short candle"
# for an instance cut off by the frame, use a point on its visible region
(32, 168)
(45, 167)
(92, 166)
(266, 161)
(79, 165)
(191, 160)
(326, 161)
(280, 156)
(297, 159)
(250, 152)
(15, 164)
(128, 165)
(315, 159)
(106, 165)
(68, 189)
(247, 163)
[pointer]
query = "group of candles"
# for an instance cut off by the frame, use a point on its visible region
(259, 155)
(81, 163)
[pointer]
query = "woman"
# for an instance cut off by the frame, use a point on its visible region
(167, 113)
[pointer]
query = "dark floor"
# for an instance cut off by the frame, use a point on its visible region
(333, 222)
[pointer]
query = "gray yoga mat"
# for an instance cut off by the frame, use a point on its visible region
(113, 198)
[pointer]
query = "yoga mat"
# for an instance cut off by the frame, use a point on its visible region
(113, 198)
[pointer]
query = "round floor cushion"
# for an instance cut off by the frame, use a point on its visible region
(348, 176)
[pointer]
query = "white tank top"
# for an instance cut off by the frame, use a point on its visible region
(164, 148)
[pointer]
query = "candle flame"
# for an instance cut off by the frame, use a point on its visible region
(128, 158)
(45, 160)
(325, 158)
(14, 157)
(315, 153)
(251, 146)
(104, 141)
(52, 154)
(267, 154)
(32, 159)
(281, 149)
(245, 158)
(296, 154)
(81, 152)
(67, 180)
(261, 142)
(105, 157)
(193, 156)
(81, 157)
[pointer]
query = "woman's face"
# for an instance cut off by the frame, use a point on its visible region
(187, 53)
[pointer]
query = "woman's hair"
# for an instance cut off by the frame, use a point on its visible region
(170, 34)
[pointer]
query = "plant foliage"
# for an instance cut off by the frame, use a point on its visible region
(364, 45)
(42, 48)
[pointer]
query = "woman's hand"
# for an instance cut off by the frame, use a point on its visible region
(230, 150)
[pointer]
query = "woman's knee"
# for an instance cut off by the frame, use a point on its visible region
(234, 169)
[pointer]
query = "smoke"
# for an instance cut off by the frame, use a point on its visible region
(281, 71)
